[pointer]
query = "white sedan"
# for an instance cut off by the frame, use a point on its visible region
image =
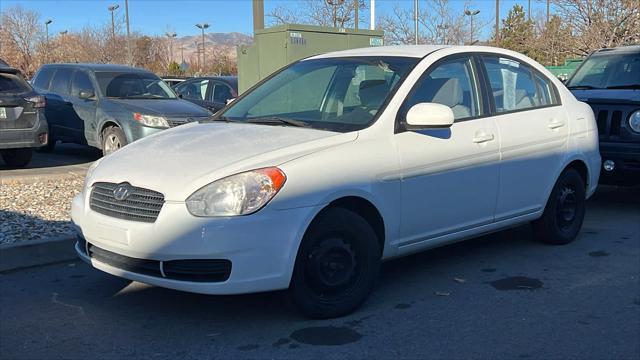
(338, 162)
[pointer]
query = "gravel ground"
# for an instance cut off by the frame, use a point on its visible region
(36, 211)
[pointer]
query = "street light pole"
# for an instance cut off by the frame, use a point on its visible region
(126, 12)
(171, 36)
(471, 14)
(46, 25)
(113, 8)
(203, 27)
(497, 21)
(415, 21)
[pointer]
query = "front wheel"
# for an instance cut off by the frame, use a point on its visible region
(337, 265)
(112, 139)
(564, 212)
(17, 158)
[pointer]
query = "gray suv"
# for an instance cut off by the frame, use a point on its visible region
(108, 106)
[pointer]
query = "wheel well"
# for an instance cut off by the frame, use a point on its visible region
(365, 209)
(582, 169)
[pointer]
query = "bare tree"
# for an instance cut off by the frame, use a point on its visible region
(20, 34)
(601, 23)
(318, 12)
(437, 24)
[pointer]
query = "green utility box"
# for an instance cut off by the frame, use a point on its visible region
(276, 47)
(563, 72)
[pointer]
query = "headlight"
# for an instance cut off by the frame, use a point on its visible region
(239, 194)
(634, 121)
(90, 173)
(151, 120)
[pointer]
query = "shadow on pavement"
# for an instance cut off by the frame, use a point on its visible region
(62, 155)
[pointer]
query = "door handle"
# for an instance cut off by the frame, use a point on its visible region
(554, 124)
(482, 138)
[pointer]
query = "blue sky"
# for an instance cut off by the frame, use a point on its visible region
(158, 16)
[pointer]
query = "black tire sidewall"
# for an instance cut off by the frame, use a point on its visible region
(17, 158)
(363, 241)
(547, 227)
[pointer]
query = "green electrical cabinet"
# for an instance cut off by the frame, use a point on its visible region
(276, 47)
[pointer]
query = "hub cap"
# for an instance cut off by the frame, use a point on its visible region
(567, 207)
(111, 144)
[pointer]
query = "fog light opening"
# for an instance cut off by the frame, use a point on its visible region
(42, 138)
(608, 165)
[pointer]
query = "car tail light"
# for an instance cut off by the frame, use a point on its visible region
(38, 101)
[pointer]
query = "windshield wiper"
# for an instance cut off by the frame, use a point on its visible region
(581, 87)
(628, 86)
(275, 120)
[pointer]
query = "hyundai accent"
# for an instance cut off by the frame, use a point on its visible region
(312, 178)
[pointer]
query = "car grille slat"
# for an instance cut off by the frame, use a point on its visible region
(140, 205)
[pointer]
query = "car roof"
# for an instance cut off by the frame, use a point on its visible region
(415, 51)
(620, 49)
(99, 67)
(6, 68)
(233, 80)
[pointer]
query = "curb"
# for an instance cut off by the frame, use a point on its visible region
(35, 253)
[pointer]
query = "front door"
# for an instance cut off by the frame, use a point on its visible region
(85, 109)
(450, 176)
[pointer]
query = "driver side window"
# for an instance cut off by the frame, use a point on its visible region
(193, 90)
(452, 83)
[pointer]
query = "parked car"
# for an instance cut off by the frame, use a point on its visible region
(173, 81)
(212, 93)
(609, 81)
(23, 126)
(338, 162)
(108, 106)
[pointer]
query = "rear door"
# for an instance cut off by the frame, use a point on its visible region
(534, 131)
(60, 112)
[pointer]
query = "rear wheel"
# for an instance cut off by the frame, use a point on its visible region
(112, 139)
(564, 212)
(337, 265)
(17, 158)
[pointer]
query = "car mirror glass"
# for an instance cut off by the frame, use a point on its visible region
(86, 94)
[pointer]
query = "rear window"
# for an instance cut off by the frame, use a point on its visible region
(43, 78)
(10, 83)
(61, 81)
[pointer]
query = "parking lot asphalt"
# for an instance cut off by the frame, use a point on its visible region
(65, 159)
(501, 296)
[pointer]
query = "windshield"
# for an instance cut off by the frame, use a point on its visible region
(336, 94)
(133, 86)
(608, 70)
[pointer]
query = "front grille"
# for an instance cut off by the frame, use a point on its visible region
(612, 121)
(175, 121)
(140, 205)
(195, 270)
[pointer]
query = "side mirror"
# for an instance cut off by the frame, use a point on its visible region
(429, 116)
(86, 94)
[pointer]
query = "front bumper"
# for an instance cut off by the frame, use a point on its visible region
(261, 247)
(25, 138)
(626, 159)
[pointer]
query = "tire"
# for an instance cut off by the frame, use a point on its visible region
(17, 158)
(564, 213)
(112, 139)
(337, 265)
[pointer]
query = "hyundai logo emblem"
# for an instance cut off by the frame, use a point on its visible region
(122, 191)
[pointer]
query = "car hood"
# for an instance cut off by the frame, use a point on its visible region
(179, 161)
(161, 107)
(608, 95)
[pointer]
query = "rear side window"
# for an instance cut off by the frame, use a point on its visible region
(10, 83)
(81, 81)
(61, 81)
(43, 78)
(512, 84)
